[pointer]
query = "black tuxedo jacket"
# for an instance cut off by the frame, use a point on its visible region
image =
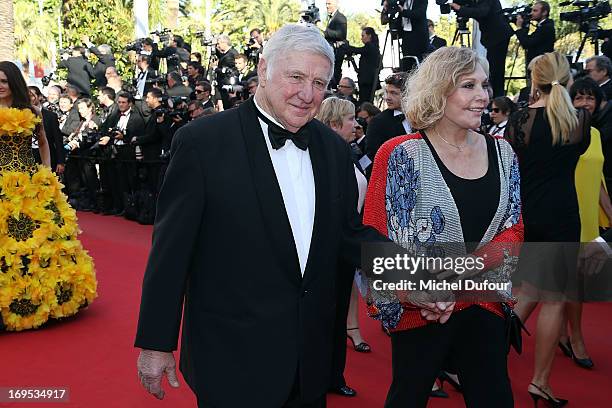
(80, 73)
(153, 135)
(493, 25)
(437, 42)
(135, 125)
(607, 90)
(99, 70)
(336, 28)
(541, 41)
(222, 242)
(54, 137)
(382, 127)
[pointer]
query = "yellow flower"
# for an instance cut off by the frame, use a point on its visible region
(17, 121)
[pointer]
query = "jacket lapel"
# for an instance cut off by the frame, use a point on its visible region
(272, 206)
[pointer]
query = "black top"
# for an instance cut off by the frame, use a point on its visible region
(476, 199)
(548, 190)
(540, 41)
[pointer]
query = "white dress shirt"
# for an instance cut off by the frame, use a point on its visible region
(406, 23)
(405, 123)
(122, 124)
(294, 174)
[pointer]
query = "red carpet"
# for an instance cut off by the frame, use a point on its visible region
(92, 354)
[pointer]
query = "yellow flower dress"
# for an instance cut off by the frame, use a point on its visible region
(44, 270)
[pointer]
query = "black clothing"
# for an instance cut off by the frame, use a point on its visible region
(602, 121)
(606, 48)
(71, 123)
(335, 34)
(80, 73)
(473, 340)
(220, 178)
(382, 127)
(476, 199)
(548, 189)
(54, 138)
(416, 41)
(367, 75)
(607, 90)
(151, 139)
(104, 61)
(495, 36)
(541, 41)
(227, 59)
(436, 42)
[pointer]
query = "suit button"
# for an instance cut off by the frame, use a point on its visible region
(304, 292)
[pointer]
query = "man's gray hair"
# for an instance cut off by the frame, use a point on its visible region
(224, 38)
(297, 38)
(602, 63)
(105, 49)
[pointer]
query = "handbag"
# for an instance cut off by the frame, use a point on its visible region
(514, 328)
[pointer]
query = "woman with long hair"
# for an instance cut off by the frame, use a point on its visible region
(548, 136)
(45, 271)
(450, 191)
(369, 63)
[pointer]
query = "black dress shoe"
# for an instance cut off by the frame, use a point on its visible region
(439, 393)
(344, 390)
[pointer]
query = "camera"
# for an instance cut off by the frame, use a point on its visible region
(445, 7)
(171, 107)
(47, 79)
(164, 35)
(311, 15)
(585, 13)
(205, 40)
(511, 13)
(135, 46)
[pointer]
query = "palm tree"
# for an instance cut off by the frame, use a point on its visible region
(7, 29)
(34, 33)
(271, 15)
(173, 7)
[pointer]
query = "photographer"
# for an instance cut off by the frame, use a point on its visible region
(202, 92)
(346, 90)
(150, 49)
(542, 40)
(105, 59)
(118, 179)
(143, 76)
(174, 53)
(335, 34)
(254, 47)
(369, 62)
(81, 175)
(106, 100)
(411, 22)
(599, 68)
(226, 54)
(80, 71)
(195, 73)
(495, 36)
(176, 86)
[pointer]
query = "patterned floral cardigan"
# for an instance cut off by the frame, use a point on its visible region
(408, 201)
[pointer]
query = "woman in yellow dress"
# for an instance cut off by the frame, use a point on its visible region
(595, 211)
(44, 270)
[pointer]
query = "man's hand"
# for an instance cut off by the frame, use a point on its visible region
(519, 21)
(59, 169)
(104, 140)
(118, 135)
(152, 365)
(455, 6)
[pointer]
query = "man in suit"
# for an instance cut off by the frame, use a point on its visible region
(435, 42)
(105, 59)
(412, 26)
(335, 34)
(495, 36)
(599, 68)
(257, 327)
(80, 71)
(391, 122)
(176, 86)
(118, 176)
(542, 39)
(203, 91)
(346, 90)
(143, 76)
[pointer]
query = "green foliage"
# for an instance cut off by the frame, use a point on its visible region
(34, 33)
(356, 22)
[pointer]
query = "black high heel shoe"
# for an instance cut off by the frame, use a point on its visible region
(362, 347)
(552, 402)
(566, 349)
(445, 377)
(580, 362)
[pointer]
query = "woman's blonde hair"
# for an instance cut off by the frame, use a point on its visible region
(333, 110)
(550, 74)
(425, 93)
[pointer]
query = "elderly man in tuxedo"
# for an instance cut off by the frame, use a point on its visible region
(257, 207)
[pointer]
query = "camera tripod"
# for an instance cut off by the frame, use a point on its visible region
(462, 33)
(395, 45)
(590, 30)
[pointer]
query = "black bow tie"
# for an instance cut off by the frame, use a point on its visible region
(278, 135)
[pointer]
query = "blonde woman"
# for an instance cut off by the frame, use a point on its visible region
(339, 115)
(548, 136)
(447, 184)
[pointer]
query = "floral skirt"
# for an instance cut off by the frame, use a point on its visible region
(44, 271)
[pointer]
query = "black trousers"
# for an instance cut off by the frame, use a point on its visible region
(294, 400)
(365, 92)
(344, 285)
(496, 55)
(473, 341)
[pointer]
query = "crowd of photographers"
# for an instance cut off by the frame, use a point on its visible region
(111, 137)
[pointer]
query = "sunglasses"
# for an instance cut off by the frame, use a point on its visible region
(199, 91)
(496, 110)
